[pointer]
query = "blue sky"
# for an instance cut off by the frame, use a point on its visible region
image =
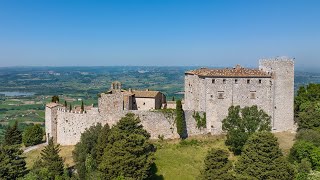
(158, 32)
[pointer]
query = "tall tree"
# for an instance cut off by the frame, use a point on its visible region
(70, 107)
(13, 135)
(86, 147)
(12, 164)
(180, 120)
(32, 135)
(102, 142)
(128, 152)
(82, 106)
(262, 158)
(51, 160)
(217, 165)
(65, 104)
(241, 123)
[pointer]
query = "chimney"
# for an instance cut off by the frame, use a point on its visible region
(147, 89)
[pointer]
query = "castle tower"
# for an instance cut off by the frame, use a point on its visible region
(282, 71)
(51, 121)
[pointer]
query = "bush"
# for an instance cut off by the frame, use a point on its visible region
(32, 135)
(309, 135)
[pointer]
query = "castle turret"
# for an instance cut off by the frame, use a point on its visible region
(282, 71)
(51, 121)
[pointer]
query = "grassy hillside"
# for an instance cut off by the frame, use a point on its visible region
(177, 159)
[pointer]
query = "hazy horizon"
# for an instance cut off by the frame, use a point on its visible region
(158, 33)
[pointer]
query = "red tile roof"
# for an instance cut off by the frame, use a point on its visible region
(237, 71)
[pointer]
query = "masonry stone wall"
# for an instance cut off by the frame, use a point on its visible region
(70, 125)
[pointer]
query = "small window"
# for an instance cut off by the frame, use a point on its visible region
(213, 81)
(211, 96)
(224, 81)
(252, 94)
(144, 103)
(220, 94)
(248, 81)
(260, 81)
(236, 81)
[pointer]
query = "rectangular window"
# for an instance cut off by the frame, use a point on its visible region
(220, 94)
(213, 81)
(224, 81)
(236, 81)
(260, 81)
(252, 94)
(248, 81)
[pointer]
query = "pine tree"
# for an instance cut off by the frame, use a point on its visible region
(262, 158)
(12, 164)
(180, 120)
(13, 135)
(51, 160)
(128, 152)
(216, 165)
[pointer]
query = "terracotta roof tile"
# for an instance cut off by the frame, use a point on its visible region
(237, 71)
(146, 94)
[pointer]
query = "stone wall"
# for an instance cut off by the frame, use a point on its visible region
(70, 125)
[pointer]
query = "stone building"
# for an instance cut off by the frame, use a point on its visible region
(207, 91)
(270, 87)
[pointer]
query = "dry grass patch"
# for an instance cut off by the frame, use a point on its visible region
(65, 153)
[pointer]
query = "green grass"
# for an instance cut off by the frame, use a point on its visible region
(175, 159)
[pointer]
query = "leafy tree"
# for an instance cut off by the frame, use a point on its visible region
(241, 123)
(128, 153)
(307, 151)
(309, 115)
(217, 165)
(55, 99)
(180, 120)
(102, 142)
(13, 135)
(51, 160)
(309, 135)
(32, 135)
(86, 147)
(262, 158)
(12, 164)
(310, 93)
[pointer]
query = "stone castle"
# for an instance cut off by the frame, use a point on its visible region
(207, 91)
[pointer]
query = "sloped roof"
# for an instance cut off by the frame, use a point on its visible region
(237, 71)
(145, 94)
(52, 104)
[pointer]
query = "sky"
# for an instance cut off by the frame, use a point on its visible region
(158, 32)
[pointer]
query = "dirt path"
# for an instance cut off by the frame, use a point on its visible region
(31, 148)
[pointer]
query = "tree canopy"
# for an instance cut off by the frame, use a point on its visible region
(13, 136)
(241, 123)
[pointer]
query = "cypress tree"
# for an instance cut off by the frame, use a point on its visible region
(217, 165)
(82, 106)
(65, 104)
(180, 120)
(12, 164)
(70, 107)
(262, 158)
(172, 98)
(13, 135)
(51, 159)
